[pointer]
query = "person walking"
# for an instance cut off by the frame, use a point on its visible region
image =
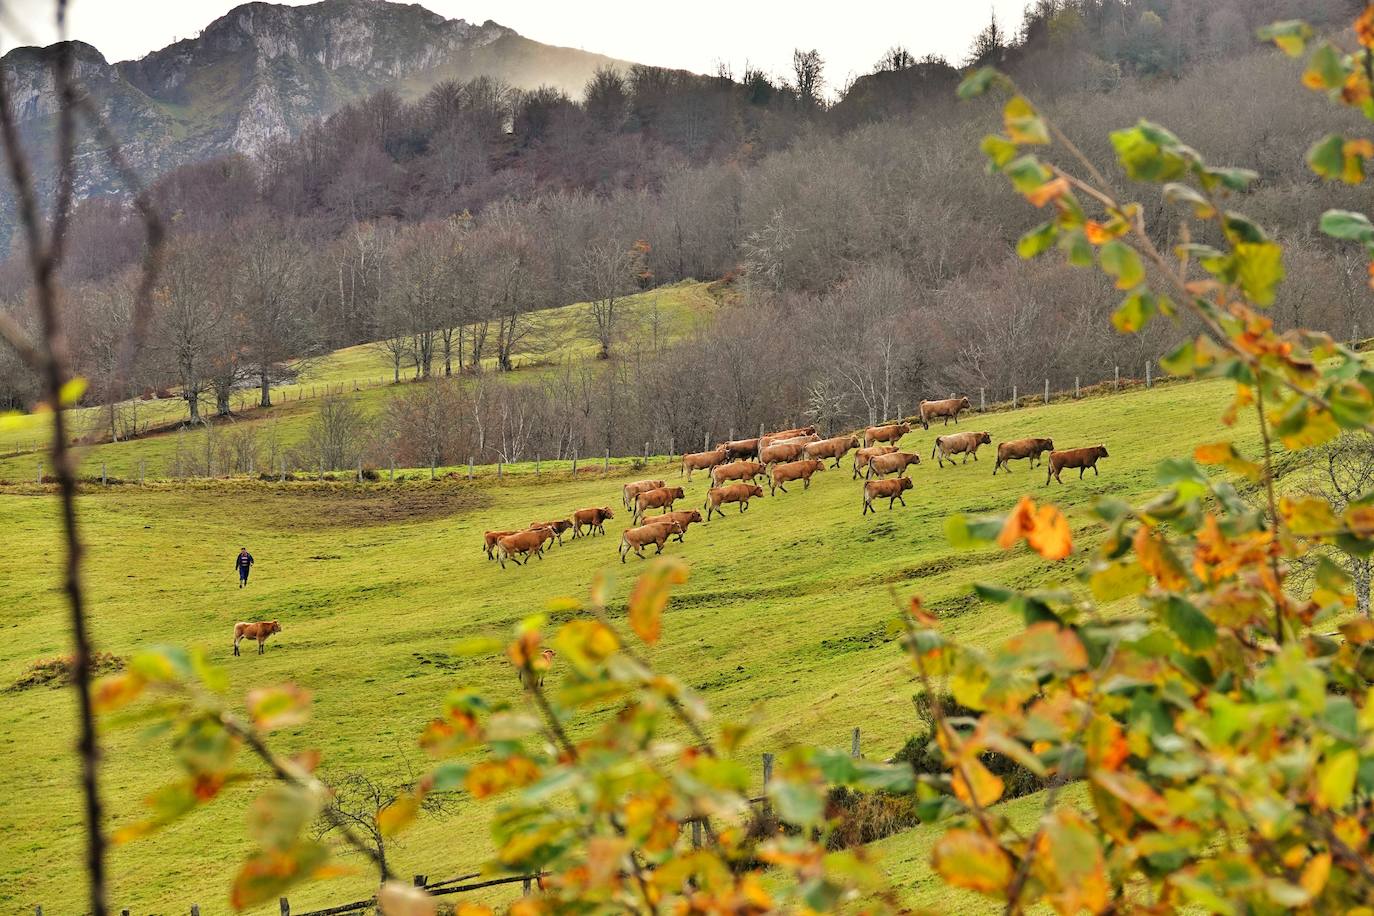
(243, 562)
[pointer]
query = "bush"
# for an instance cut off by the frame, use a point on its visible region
(923, 752)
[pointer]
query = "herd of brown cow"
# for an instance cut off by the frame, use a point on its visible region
(780, 458)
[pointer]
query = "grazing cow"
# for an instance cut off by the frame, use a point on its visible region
(959, 444)
(637, 539)
(864, 455)
(1021, 448)
(594, 519)
(890, 490)
(632, 490)
(949, 409)
(558, 526)
(490, 538)
(703, 461)
(794, 470)
(540, 667)
(769, 441)
(891, 463)
(783, 451)
(892, 432)
(683, 519)
(1081, 458)
(736, 470)
(662, 498)
(789, 433)
(836, 448)
(529, 541)
(735, 493)
(741, 448)
(259, 631)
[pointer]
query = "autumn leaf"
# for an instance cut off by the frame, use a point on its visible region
(971, 860)
(650, 596)
(1045, 529)
(278, 707)
(974, 782)
(396, 898)
(1070, 863)
(1049, 191)
(585, 643)
(1159, 560)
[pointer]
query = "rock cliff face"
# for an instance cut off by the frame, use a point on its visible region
(262, 71)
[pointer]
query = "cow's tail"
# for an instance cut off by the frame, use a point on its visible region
(936, 448)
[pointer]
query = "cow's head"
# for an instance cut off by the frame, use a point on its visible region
(694, 516)
(607, 513)
(985, 438)
(755, 490)
(1102, 452)
(276, 627)
(903, 428)
(965, 403)
(853, 441)
(906, 483)
(679, 493)
(1047, 444)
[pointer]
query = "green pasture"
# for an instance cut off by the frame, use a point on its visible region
(784, 623)
(661, 316)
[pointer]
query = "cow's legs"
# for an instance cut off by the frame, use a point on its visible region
(868, 505)
(1095, 474)
(236, 644)
(260, 649)
(1080, 473)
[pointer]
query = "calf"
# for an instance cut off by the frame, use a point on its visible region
(735, 493)
(491, 537)
(891, 490)
(959, 444)
(835, 448)
(703, 461)
(259, 631)
(662, 498)
(637, 539)
(736, 470)
(864, 455)
(1081, 458)
(631, 490)
(529, 541)
(683, 519)
(948, 409)
(794, 470)
(892, 432)
(783, 451)
(1021, 448)
(741, 448)
(558, 526)
(593, 519)
(891, 463)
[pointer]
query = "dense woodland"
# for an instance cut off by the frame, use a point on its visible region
(866, 257)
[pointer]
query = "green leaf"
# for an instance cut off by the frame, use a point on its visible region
(1119, 260)
(1038, 240)
(1336, 779)
(1348, 226)
(1259, 270)
(1118, 580)
(1176, 193)
(797, 803)
(1135, 312)
(1076, 248)
(1192, 627)
(1150, 153)
(1327, 68)
(964, 532)
(281, 814)
(1291, 36)
(998, 149)
(1023, 123)
(1237, 180)
(278, 707)
(1327, 157)
(980, 81)
(1027, 174)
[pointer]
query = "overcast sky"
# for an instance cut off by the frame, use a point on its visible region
(697, 35)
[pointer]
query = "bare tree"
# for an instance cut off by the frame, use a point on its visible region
(608, 271)
(279, 334)
(1345, 474)
(357, 800)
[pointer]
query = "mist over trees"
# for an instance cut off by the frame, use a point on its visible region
(863, 259)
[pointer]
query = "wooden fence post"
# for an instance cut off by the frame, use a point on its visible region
(195, 909)
(498, 468)
(767, 769)
(360, 470)
(1116, 378)
(1148, 380)
(696, 833)
(40, 473)
(854, 747)
(1075, 388)
(646, 452)
(104, 476)
(606, 468)
(1014, 399)
(285, 906)
(469, 467)
(574, 467)
(419, 880)
(393, 469)
(140, 472)
(672, 447)
(1047, 391)
(536, 464)
(431, 469)
(706, 441)
(281, 476)
(982, 399)
(38, 911)
(760, 430)
(525, 886)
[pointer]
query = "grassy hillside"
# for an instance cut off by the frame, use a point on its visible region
(784, 622)
(362, 372)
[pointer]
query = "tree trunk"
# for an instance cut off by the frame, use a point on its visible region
(266, 382)
(193, 402)
(1359, 572)
(222, 407)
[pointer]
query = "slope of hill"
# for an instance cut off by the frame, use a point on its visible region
(784, 621)
(262, 71)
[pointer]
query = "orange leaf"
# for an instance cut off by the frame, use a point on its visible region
(1050, 190)
(1158, 560)
(650, 597)
(986, 787)
(1045, 529)
(971, 860)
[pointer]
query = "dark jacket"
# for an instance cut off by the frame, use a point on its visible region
(243, 561)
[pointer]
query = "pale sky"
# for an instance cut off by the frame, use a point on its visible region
(696, 35)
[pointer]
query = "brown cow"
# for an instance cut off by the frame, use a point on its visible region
(594, 519)
(769, 441)
(683, 518)
(1081, 458)
(959, 444)
(736, 470)
(735, 493)
(794, 470)
(783, 451)
(540, 668)
(259, 631)
(741, 448)
(529, 541)
(891, 490)
(632, 490)
(703, 461)
(558, 526)
(864, 455)
(891, 463)
(662, 498)
(949, 409)
(1021, 448)
(490, 538)
(836, 448)
(637, 539)
(789, 433)
(892, 432)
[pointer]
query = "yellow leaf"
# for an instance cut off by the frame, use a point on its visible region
(1308, 516)
(971, 860)
(1070, 864)
(1159, 560)
(1315, 873)
(71, 391)
(650, 597)
(396, 898)
(1336, 779)
(585, 643)
(986, 787)
(278, 707)
(401, 811)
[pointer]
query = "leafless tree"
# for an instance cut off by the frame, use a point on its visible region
(356, 801)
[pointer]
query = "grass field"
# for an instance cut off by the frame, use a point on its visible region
(784, 622)
(362, 373)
